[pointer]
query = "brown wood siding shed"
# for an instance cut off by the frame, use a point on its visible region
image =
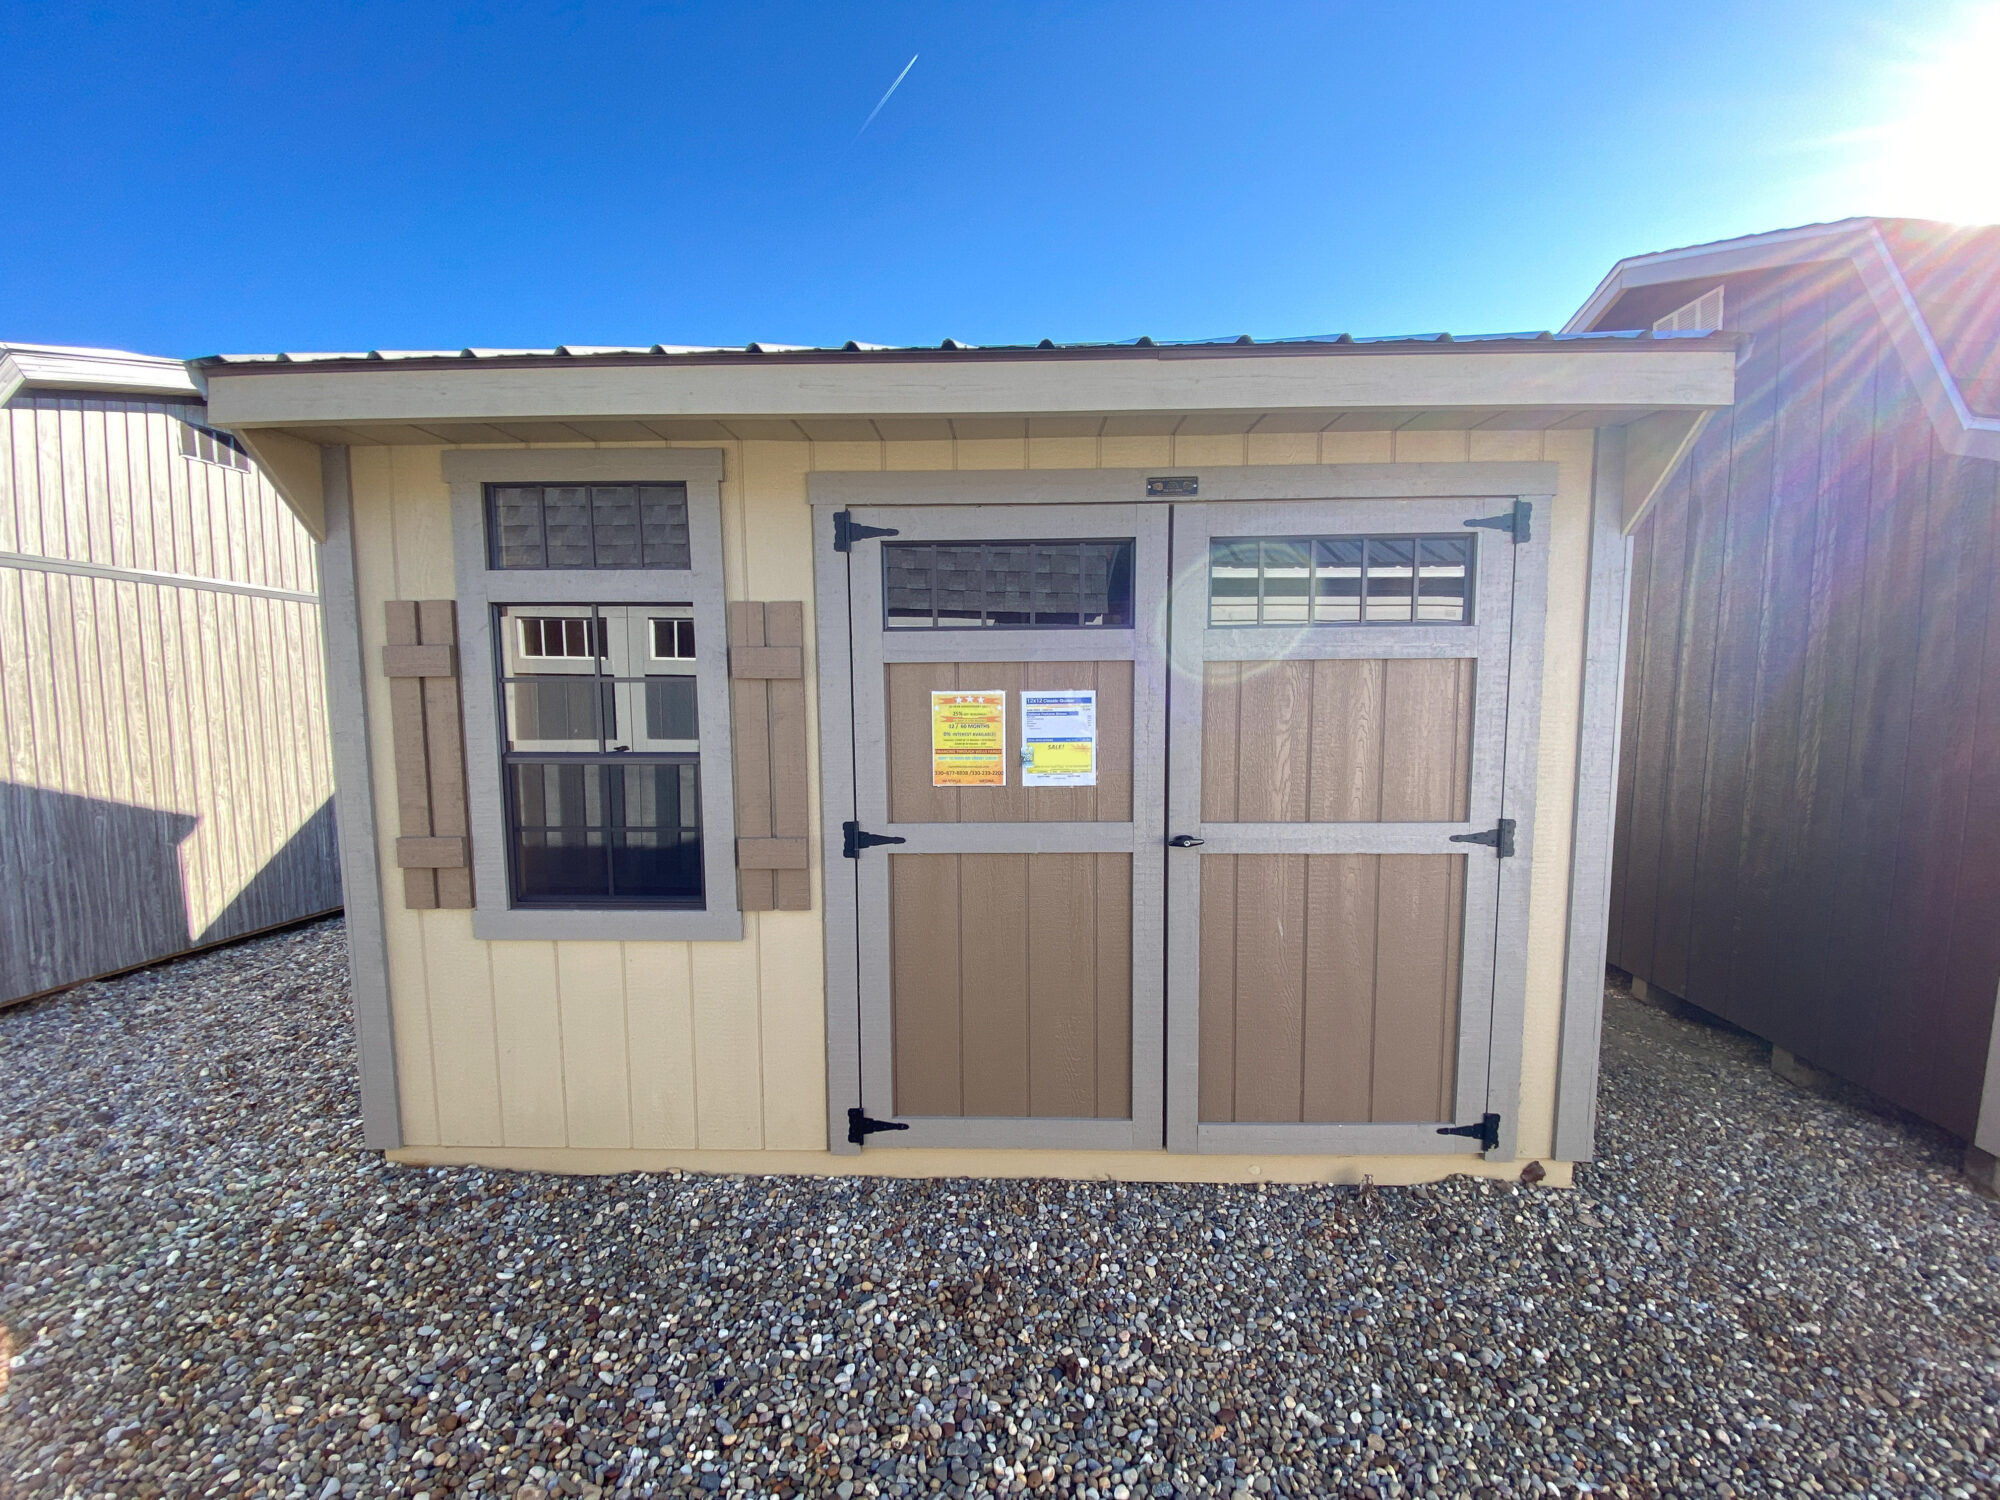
(1809, 806)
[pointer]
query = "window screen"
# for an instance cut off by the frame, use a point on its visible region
(602, 754)
(1037, 585)
(587, 525)
(1345, 580)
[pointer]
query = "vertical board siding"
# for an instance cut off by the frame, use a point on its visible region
(1809, 823)
(723, 1045)
(1306, 741)
(1011, 985)
(167, 778)
(1329, 986)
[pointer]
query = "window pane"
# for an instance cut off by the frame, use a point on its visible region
(1391, 578)
(1107, 583)
(614, 524)
(1233, 569)
(554, 713)
(663, 525)
(1031, 584)
(670, 708)
(517, 528)
(1338, 582)
(1010, 584)
(1442, 565)
(1287, 582)
(1058, 585)
(566, 515)
(607, 833)
(960, 585)
(906, 584)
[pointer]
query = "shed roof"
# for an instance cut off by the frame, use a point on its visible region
(117, 371)
(1045, 347)
(1935, 286)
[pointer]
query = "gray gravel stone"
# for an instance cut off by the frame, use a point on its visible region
(209, 1289)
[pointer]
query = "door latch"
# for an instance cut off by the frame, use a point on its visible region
(1514, 522)
(860, 1126)
(853, 840)
(1185, 841)
(847, 531)
(1486, 1132)
(1500, 839)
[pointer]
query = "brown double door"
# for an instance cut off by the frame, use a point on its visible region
(1180, 809)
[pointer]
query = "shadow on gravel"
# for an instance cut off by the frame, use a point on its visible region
(214, 1291)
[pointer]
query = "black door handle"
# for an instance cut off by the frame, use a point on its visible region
(1185, 841)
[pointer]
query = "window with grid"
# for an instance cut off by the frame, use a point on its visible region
(601, 754)
(1340, 580)
(1003, 585)
(587, 525)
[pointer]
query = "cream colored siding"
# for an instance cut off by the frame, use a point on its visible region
(191, 713)
(509, 1049)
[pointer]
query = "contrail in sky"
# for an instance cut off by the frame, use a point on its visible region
(892, 89)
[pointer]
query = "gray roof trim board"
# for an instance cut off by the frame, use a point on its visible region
(111, 371)
(1140, 348)
(1858, 241)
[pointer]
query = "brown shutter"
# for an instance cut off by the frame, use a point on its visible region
(421, 663)
(767, 701)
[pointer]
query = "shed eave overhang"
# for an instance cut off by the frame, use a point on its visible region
(1628, 377)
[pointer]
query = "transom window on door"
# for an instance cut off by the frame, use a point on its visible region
(1007, 585)
(587, 525)
(1342, 580)
(601, 752)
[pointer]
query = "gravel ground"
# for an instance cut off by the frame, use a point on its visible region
(212, 1291)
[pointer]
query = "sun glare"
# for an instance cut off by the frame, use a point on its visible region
(1938, 157)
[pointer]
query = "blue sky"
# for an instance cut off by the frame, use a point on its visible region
(192, 178)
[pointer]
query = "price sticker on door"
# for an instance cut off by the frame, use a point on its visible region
(968, 739)
(1059, 737)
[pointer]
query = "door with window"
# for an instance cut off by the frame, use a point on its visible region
(1184, 825)
(1011, 992)
(1343, 686)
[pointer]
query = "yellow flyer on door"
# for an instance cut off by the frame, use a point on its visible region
(969, 739)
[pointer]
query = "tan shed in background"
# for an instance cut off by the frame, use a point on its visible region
(167, 781)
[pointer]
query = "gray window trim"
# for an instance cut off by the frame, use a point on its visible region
(481, 587)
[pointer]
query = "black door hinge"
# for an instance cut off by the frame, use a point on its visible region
(1486, 1132)
(847, 531)
(1500, 839)
(860, 1126)
(1515, 522)
(853, 840)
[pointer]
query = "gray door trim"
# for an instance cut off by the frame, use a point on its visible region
(839, 886)
(354, 804)
(1417, 481)
(1497, 482)
(1506, 636)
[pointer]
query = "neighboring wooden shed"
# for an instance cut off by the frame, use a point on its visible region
(1809, 814)
(167, 781)
(1135, 760)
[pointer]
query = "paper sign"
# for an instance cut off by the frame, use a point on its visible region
(969, 739)
(1059, 738)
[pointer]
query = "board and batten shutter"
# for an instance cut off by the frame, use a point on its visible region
(767, 700)
(433, 846)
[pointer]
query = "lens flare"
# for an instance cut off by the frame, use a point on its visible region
(1935, 157)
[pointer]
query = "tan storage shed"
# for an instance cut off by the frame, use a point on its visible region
(1146, 761)
(167, 780)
